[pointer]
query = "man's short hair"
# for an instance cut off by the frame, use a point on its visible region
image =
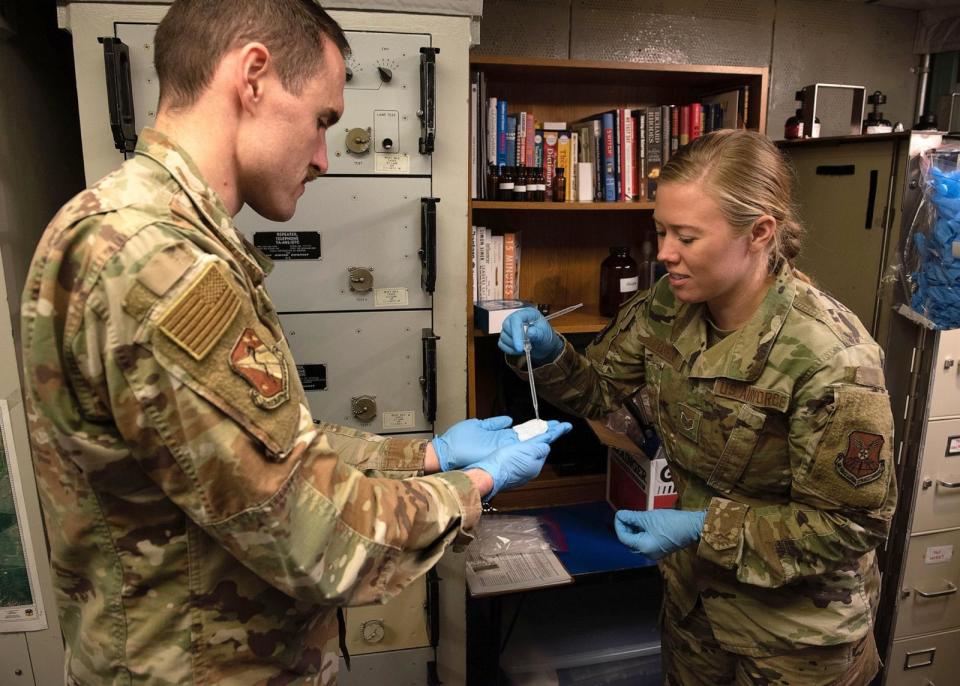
(195, 35)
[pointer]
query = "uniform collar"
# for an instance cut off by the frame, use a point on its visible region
(206, 202)
(743, 354)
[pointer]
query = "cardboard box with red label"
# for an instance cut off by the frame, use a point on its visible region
(634, 481)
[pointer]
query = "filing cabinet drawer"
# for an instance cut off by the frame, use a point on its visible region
(945, 386)
(376, 358)
(399, 624)
(929, 600)
(344, 228)
(937, 503)
(930, 660)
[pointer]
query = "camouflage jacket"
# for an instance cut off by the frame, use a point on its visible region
(782, 432)
(202, 528)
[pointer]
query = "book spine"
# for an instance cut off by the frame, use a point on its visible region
(684, 124)
(674, 128)
(641, 135)
(654, 161)
(563, 159)
(511, 153)
(628, 156)
(696, 121)
(492, 131)
(538, 148)
(509, 266)
(473, 261)
(502, 132)
(474, 139)
(521, 139)
(596, 126)
(496, 267)
(609, 161)
(530, 141)
(483, 292)
(574, 167)
(665, 133)
(549, 157)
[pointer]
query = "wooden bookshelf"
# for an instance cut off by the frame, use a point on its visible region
(563, 244)
(561, 206)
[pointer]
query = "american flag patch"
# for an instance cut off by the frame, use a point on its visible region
(202, 314)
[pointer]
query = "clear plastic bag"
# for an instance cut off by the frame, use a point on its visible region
(931, 257)
(498, 534)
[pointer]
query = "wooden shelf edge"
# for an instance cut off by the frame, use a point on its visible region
(610, 65)
(561, 206)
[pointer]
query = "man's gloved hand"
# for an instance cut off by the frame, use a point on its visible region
(514, 465)
(657, 533)
(545, 344)
(472, 440)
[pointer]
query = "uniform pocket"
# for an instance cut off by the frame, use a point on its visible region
(738, 448)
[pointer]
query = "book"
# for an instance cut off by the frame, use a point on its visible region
(495, 265)
(729, 102)
(554, 126)
(550, 139)
(640, 138)
(521, 160)
(653, 150)
(609, 164)
(563, 160)
(473, 261)
(574, 171)
(666, 121)
(538, 149)
(492, 131)
(627, 156)
(474, 137)
(511, 141)
(696, 121)
(483, 288)
(511, 265)
(502, 132)
(529, 152)
(684, 125)
(674, 129)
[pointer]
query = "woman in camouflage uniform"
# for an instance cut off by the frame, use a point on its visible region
(769, 398)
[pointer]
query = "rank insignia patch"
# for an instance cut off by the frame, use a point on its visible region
(861, 464)
(200, 316)
(263, 367)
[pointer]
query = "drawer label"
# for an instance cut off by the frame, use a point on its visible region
(391, 297)
(313, 376)
(953, 446)
(399, 420)
(289, 245)
(937, 554)
(392, 163)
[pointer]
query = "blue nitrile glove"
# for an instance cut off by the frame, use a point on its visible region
(472, 440)
(514, 465)
(657, 533)
(545, 344)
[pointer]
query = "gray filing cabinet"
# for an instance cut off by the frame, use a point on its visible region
(858, 196)
(368, 276)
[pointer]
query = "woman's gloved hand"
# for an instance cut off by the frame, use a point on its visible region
(472, 440)
(657, 533)
(545, 344)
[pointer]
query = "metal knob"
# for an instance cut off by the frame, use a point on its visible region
(386, 75)
(388, 144)
(364, 408)
(358, 140)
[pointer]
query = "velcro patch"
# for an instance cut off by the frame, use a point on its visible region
(866, 376)
(662, 349)
(202, 314)
(759, 397)
(165, 268)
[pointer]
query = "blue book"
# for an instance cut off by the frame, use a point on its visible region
(609, 166)
(511, 141)
(502, 133)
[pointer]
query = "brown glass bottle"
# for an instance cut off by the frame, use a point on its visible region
(559, 186)
(506, 184)
(618, 280)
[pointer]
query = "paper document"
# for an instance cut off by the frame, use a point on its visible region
(508, 573)
(21, 608)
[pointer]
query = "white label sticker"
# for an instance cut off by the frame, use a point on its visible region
(399, 420)
(390, 297)
(937, 554)
(629, 285)
(393, 163)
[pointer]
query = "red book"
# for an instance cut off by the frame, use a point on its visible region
(684, 124)
(696, 121)
(674, 128)
(638, 134)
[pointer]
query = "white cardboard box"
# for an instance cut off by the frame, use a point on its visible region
(489, 315)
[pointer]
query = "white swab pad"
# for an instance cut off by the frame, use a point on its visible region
(528, 430)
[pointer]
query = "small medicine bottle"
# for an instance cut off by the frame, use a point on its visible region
(505, 191)
(520, 189)
(493, 182)
(541, 184)
(559, 186)
(618, 280)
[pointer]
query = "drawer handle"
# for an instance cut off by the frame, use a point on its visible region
(949, 484)
(951, 588)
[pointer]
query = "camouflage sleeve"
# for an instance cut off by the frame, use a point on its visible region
(395, 458)
(843, 490)
(596, 383)
(199, 386)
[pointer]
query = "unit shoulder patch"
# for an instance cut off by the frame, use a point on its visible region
(201, 315)
(263, 367)
(861, 463)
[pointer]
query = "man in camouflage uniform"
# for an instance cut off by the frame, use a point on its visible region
(202, 528)
(780, 432)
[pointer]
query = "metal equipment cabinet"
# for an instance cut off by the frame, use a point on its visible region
(368, 274)
(859, 196)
